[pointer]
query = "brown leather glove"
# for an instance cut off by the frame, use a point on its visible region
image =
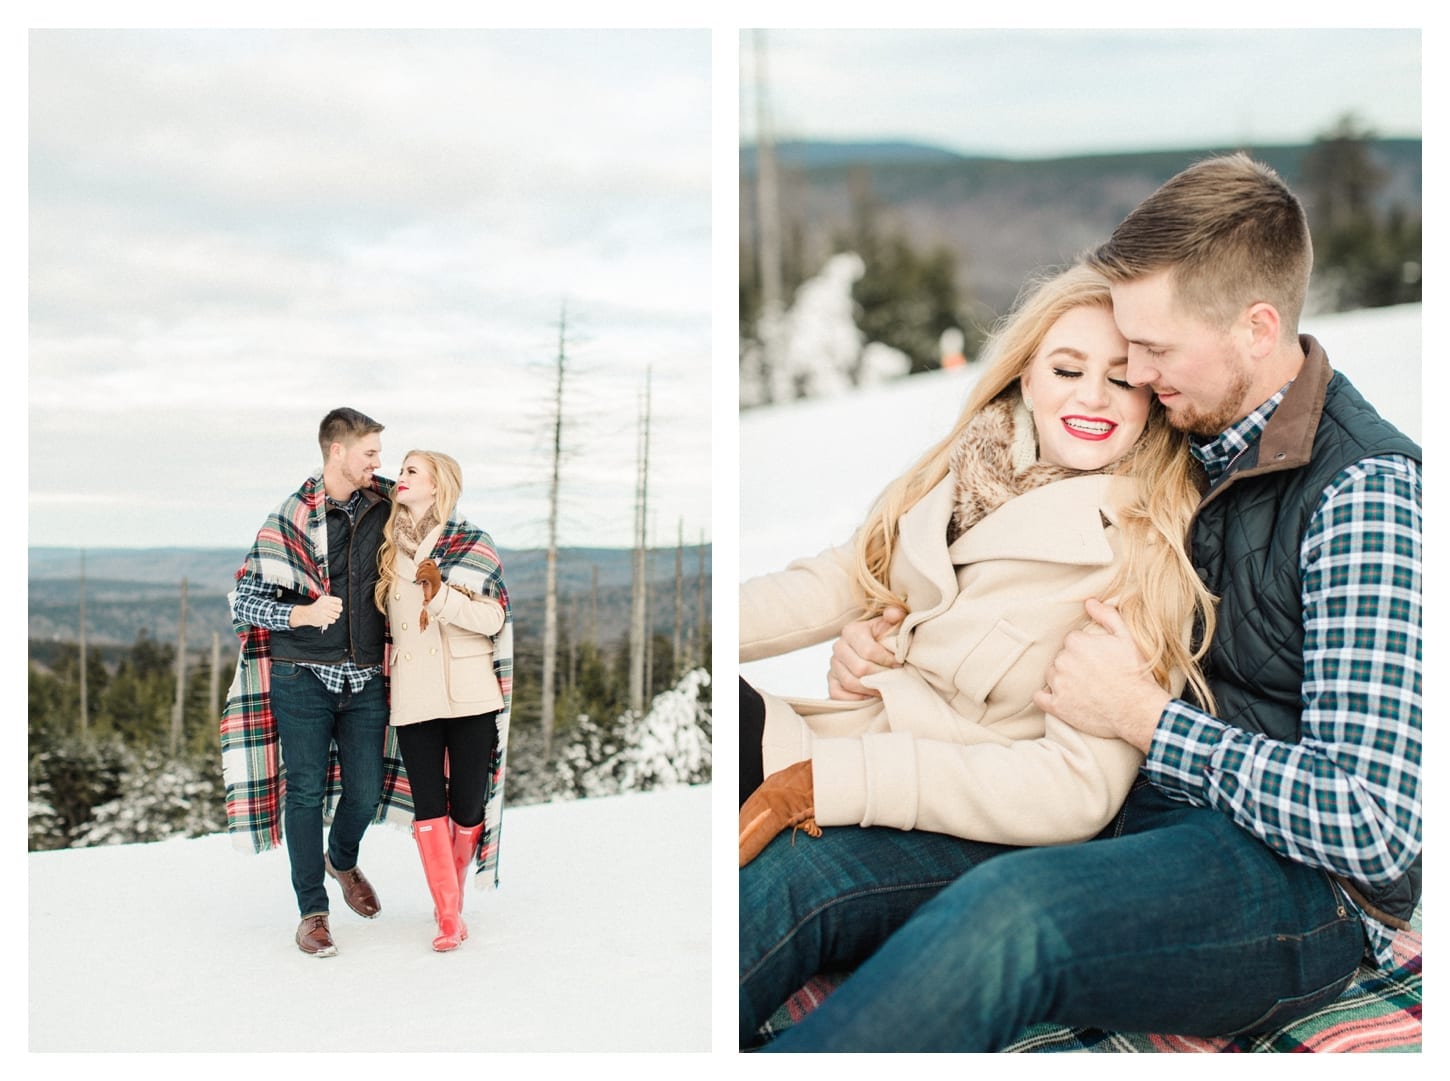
(431, 579)
(785, 799)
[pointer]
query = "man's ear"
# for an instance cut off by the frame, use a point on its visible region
(1262, 325)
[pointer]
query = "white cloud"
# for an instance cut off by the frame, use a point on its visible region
(234, 231)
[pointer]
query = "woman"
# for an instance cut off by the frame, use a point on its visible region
(442, 588)
(1059, 482)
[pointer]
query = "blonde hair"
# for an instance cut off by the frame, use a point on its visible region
(1156, 587)
(1230, 232)
(447, 477)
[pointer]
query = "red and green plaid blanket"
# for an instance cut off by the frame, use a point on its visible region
(1378, 1011)
(290, 550)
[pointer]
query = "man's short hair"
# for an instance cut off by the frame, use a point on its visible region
(1230, 230)
(345, 426)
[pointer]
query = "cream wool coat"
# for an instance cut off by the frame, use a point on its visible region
(954, 744)
(446, 670)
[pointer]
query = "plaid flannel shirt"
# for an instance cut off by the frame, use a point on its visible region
(256, 604)
(1346, 798)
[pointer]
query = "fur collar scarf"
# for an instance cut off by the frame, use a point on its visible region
(996, 460)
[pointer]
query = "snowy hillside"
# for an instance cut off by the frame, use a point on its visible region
(843, 450)
(598, 939)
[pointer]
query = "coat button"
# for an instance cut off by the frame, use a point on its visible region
(403, 625)
(432, 652)
(407, 656)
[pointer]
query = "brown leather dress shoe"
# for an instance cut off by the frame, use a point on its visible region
(314, 937)
(357, 891)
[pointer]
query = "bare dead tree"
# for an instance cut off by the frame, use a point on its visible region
(177, 708)
(700, 605)
(551, 564)
(638, 609)
(214, 704)
(85, 715)
(677, 642)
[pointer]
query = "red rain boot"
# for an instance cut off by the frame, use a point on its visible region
(465, 842)
(435, 848)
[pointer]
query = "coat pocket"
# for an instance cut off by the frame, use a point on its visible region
(470, 668)
(990, 660)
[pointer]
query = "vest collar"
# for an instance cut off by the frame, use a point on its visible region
(1287, 441)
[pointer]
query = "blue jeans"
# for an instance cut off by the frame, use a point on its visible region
(1172, 920)
(310, 718)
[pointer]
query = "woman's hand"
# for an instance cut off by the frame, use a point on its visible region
(430, 578)
(785, 799)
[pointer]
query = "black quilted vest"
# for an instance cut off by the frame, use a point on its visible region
(352, 570)
(1246, 539)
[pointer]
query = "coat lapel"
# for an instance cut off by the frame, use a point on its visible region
(922, 569)
(1042, 526)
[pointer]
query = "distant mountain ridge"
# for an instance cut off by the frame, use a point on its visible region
(131, 590)
(813, 154)
(1003, 219)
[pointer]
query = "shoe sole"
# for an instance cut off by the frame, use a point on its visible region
(327, 951)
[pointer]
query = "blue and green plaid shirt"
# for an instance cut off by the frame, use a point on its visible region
(256, 604)
(1346, 798)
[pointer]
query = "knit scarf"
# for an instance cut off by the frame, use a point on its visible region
(408, 533)
(996, 460)
(290, 550)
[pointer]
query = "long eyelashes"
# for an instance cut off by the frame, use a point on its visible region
(1068, 373)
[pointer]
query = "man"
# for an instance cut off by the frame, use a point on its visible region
(1271, 843)
(311, 676)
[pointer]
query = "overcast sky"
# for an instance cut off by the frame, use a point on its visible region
(232, 232)
(1044, 93)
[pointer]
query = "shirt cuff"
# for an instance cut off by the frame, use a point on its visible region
(1180, 758)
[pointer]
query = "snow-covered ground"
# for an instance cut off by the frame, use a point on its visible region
(809, 471)
(598, 939)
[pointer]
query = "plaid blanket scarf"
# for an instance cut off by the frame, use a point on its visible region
(290, 550)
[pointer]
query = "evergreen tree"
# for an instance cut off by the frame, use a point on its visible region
(670, 745)
(1365, 255)
(159, 797)
(68, 779)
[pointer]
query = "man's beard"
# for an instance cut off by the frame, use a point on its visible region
(1207, 423)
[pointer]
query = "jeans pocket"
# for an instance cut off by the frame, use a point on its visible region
(1286, 1011)
(285, 669)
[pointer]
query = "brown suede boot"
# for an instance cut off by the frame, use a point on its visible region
(785, 800)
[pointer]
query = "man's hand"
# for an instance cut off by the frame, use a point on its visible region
(430, 578)
(1100, 684)
(860, 652)
(321, 613)
(786, 799)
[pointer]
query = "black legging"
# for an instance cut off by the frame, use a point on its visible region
(469, 743)
(752, 734)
